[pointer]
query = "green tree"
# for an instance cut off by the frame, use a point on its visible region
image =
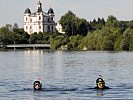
(33, 38)
(96, 24)
(56, 42)
(5, 34)
(72, 25)
(109, 35)
(131, 41)
(75, 40)
(112, 21)
(127, 42)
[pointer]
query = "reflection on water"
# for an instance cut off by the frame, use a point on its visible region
(33, 60)
(99, 92)
(58, 57)
(65, 75)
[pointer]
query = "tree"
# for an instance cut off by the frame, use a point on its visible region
(72, 25)
(127, 42)
(75, 40)
(56, 42)
(131, 41)
(112, 21)
(33, 38)
(15, 27)
(96, 24)
(68, 23)
(5, 34)
(81, 25)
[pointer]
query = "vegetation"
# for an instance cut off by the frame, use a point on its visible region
(80, 34)
(73, 25)
(13, 35)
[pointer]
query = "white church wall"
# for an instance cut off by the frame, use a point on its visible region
(37, 22)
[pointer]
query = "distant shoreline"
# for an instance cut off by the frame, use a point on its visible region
(40, 47)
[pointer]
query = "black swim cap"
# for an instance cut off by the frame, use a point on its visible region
(36, 82)
(99, 80)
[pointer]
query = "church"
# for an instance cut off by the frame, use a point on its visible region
(39, 21)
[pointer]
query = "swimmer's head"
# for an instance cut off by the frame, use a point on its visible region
(37, 85)
(100, 83)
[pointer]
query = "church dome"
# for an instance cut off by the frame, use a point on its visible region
(27, 11)
(50, 11)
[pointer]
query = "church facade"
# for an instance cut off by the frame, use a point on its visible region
(39, 21)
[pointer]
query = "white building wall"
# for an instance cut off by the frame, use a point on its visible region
(59, 28)
(38, 22)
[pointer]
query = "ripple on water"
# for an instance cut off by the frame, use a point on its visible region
(65, 75)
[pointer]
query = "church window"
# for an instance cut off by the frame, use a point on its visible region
(26, 27)
(51, 18)
(26, 18)
(48, 28)
(30, 27)
(48, 19)
(44, 19)
(52, 28)
(39, 17)
(31, 20)
(40, 27)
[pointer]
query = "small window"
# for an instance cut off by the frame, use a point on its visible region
(31, 20)
(48, 19)
(40, 27)
(48, 28)
(51, 18)
(39, 17)
(26, 27)
(44, 19)
(30, 27)
(52, 28)
(26, 18)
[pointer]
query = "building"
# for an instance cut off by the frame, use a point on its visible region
(39, 21)
(59, 28)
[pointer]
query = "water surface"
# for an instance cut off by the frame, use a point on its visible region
(65, 75)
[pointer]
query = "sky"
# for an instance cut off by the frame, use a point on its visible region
(11, 11)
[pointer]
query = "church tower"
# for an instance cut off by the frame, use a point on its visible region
(39, 15)
(27, 14)
(51, 19)
(39, 7)
(51, 14)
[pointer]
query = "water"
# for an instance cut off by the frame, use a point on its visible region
(65, 75)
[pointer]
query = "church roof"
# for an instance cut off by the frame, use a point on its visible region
(27, 11)
(50, 10)
(35, 14)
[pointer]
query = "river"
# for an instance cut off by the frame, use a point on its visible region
(65, 75)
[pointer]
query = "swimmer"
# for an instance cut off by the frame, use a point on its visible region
(100, 83)
(37, 85)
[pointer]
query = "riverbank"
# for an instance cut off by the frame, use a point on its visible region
(45, 46)
(30, 46)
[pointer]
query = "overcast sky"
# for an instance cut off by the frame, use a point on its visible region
(11, 11)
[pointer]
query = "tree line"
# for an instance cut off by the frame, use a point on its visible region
(98, 34)
(80, 34)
